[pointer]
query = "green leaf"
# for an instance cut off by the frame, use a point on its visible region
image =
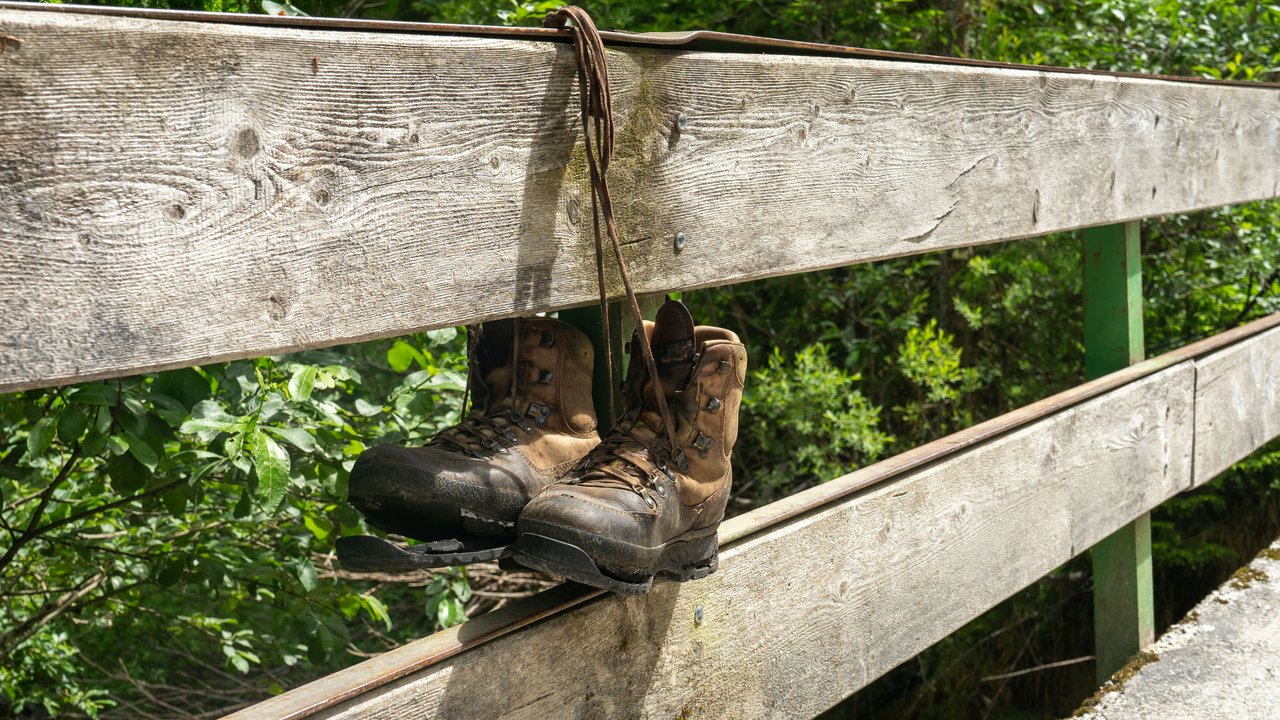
(460, 588)
(443, 336)
(186, 386)
(377, 610)
(402, 355)
(240, 663)
(96, 440)
(350, 605)
(96, 394)
(72, 424)
(306, 573)
(40, 437)
(117, 444)
(366, 408)
(142, 452)
(271, 463)
(127, 474)
(450, 612)
(208, 420)
(168, 409)
(171, 571)
(175, 500)
(319, 526)
(271, 406)
(302, 383)
(296, 437)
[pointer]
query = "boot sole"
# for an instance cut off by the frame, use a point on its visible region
(366, 553)
(691, 556)
(445, 520)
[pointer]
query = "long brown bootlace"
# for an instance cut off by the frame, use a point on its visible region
(597, 131)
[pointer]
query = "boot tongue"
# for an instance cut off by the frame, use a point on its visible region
(492, 364)
(498, 381)
(673, 351)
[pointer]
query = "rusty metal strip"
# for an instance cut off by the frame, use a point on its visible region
(693, 40)
(418, 655)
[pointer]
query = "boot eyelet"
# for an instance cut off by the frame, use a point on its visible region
(723, 367)
(713, 405)
(650, 501)
(682, 462)
(702, 443)
(544, 377)
(547, 339)
(662, 489)
(539, 413)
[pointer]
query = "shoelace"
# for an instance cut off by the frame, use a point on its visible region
(478, 432)
(598, 131)
(612, 463)
(469, 435)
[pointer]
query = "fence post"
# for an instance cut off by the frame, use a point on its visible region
(587, 319)
(1123, 601)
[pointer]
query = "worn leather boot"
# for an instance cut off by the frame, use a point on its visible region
(462, 492)
(649, 499)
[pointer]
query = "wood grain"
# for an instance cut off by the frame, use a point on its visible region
(173, 193)
(806, 612)
(1237, 403)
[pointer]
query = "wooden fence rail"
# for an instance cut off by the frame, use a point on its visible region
(173, 193)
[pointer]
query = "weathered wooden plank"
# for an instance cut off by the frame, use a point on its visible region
(1237, 403)
(808, 611)
(176, 192)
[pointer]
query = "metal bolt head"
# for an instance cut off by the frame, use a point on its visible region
(682, 122)
(679, 241)
(698, 614)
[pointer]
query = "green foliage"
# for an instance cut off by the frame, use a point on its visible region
(807, 422)
(200, 506)
(929, 359)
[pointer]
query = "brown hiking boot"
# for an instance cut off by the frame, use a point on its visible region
(463, 491)
(649, 499)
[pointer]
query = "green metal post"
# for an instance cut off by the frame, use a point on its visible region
(1123, 600)
(587, 319)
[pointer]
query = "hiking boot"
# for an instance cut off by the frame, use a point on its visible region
(649, 499)
(462, 492)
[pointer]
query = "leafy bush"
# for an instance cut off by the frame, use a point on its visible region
(803, 422)
(200, 506)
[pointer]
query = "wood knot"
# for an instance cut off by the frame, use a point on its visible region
(277, 307)
(246, 143)
(572, 209)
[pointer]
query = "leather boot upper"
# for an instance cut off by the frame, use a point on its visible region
(531, 422)
(635, 490)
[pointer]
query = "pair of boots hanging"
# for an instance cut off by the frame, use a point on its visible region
(525, 477)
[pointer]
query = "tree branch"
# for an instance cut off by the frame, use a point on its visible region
(47, 613)
(45, 496)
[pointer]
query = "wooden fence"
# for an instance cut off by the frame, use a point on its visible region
(179, 191)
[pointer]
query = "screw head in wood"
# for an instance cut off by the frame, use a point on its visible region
(679, 241)
(682, 122)
(698, 614)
